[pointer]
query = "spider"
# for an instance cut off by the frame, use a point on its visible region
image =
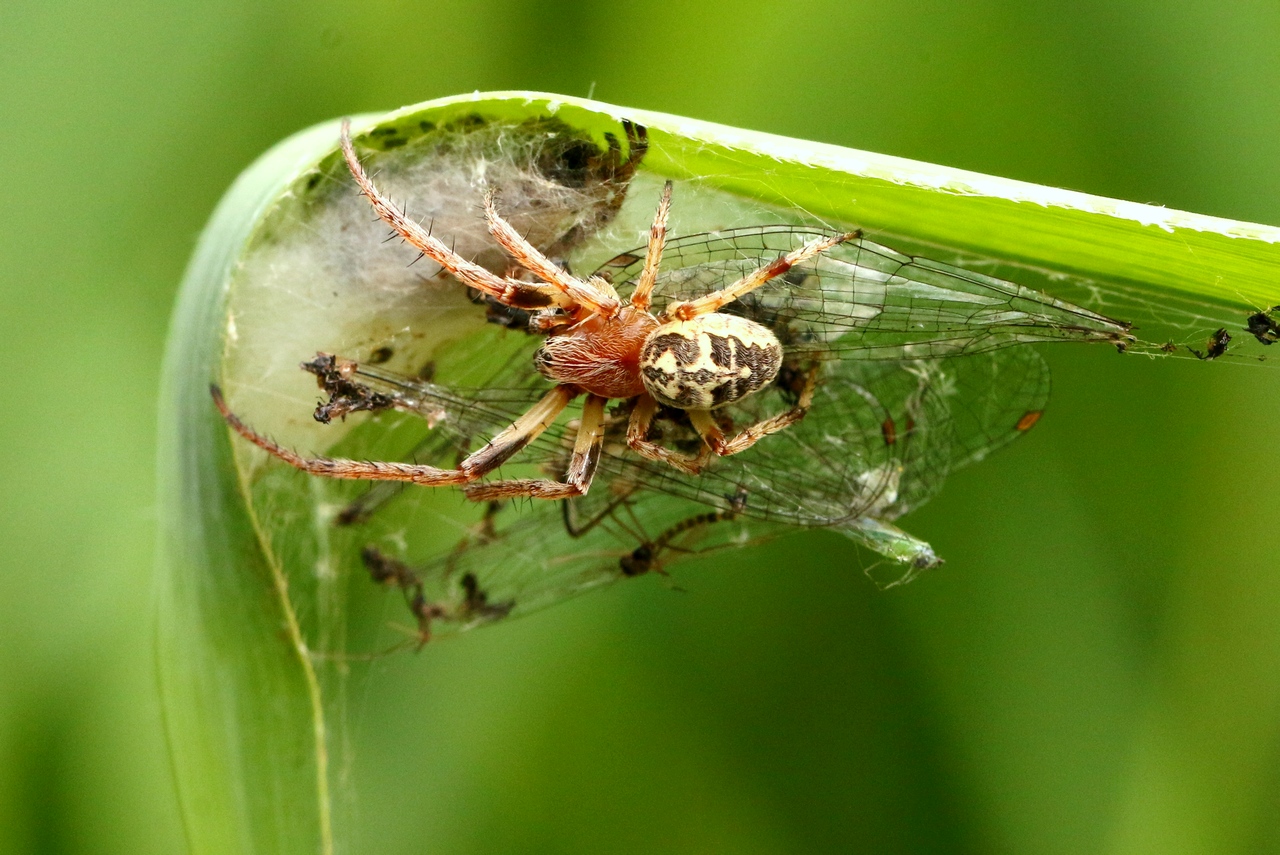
(690, 357)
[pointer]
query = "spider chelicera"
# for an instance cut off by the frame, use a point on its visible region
(690, 357)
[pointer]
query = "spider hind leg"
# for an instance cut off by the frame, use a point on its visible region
(749, 436)
(638, 440)
(497, 451)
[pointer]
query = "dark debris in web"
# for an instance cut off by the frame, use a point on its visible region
(1263, 326)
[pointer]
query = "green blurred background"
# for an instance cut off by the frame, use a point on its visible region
(1096, 669)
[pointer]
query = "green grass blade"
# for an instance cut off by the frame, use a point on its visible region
(240, 700)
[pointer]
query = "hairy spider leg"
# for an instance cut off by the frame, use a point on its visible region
(713, 302)
(587, 446)
(642, 296)
(594, 296)
(497, 451)
(638, 439)
(509, 292)
(749, 436)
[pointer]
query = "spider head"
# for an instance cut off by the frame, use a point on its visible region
(600, 355)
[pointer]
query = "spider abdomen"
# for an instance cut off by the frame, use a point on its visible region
(708, 361)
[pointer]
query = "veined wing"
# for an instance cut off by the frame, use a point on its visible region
(835, 465)
(858, 305)
(882, 436)
(879, 432)
(879, 441)
(899, 442)
(865, 300)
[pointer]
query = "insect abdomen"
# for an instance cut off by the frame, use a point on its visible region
(709, 361)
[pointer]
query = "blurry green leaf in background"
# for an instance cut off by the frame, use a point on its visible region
(1096, 669)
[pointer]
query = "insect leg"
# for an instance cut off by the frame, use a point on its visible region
(385, 570)
(576, 528)
(582, 465)
(749, 436)
(646, 557)
(497, 451)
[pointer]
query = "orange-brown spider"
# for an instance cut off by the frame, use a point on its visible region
(691, 357)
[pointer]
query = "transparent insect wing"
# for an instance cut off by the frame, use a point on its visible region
(876, 429)
(880, 442)
(870, 421)
(848, 469)
(881, 437)
(535, 559)
(838, 464)
(993, 398)
(866, 299)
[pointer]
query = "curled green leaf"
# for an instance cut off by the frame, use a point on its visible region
(264, 571)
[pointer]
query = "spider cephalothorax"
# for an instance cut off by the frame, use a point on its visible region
(690, 356)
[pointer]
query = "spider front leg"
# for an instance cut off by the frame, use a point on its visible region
(642, 296)
(714, 437)
(592, 294)
(497, 451)
(509, 292)
(577, 480)
(638, 440)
